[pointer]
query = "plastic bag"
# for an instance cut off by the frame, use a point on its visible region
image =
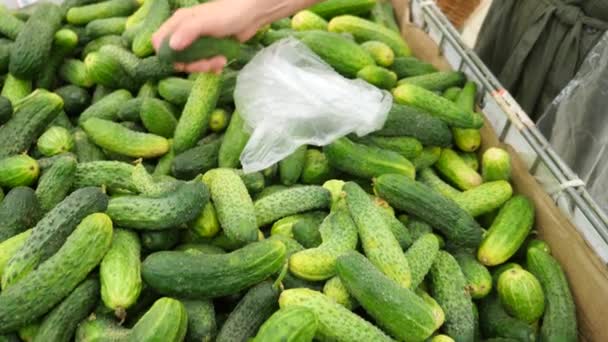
(576, 123)
(289, 97)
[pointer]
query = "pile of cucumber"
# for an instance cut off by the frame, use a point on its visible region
(124, 215)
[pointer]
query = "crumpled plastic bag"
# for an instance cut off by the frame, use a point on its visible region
(288, 97)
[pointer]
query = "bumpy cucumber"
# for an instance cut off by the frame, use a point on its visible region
(331, 8)
(431, 179)
(470, 158)
(213, 276)
(420, 257)
(206, 225)
(306, 20)
(107, 9)
(448, 288)
(441, 213)
(105, 27)
(196, 160)
(252, 310)
(495, 321)
(291, 167)
(559, 320)
(436, 309)
(84, 149)
(19, 210)
(166, 320)
(521, 295)
(10, 246)
(74, 71)
(379, 243)
(484, 198)
(175, 90)
(107, 107)
(117, 138)
(316, 168)
(55, 140)
(291, 324)
(364, 30)
(112, 174)
(289, 202)
(61, 323)
(160, 240)
(11, 25)
(19, 170)
(97, 328)
(153, 213)
(158, 13)
(452, 93)
(478, 277)
(457, 171)
(339, 235)
(508, 231)
(194, 120)
(119, 272)
(55, 278)
(398, 229)
(378, 76)
(201, 320)
(105, 68)
(403, 314)
(234, 142)
(285, 225)
(56, 182)
(334, 288)
(380, 52)
(307, 234)
(467, 140)
(234, 207)
(366, 161)
(437, 81)
(405, 146)
(51, 231)
(496, 164)
(255, 181)
(336, 323)
(427, 158)
(64, 43)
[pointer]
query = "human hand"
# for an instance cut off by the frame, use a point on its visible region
(221, 18)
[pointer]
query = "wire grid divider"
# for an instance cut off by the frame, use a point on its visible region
(514, 127)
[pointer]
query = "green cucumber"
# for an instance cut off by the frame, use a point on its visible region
(431, 179)
(106, 69)
(196, 160)
(19, 170)
(97, 328)
(339, 235)
(74, 71)
(378, 76)
(411, 66)
(142, 41)
(201, 320)
(470, 158)
(436, 105)
(383, 14)
(202, 48)
(452, 93)
(10, 246)
(152, 68)
(32, 115)
(285, 225)
(306, 20)
(60, 324)
(160, 240)
(377, 239)
(252, 310)
(55, 183)
(6, 110)
(119, 273)
(33, 45)
(283, 23)
(437, 81)
(213, 276)
(365, 161)
(496, 164)
(443, 214)
(206, 225)
(484, 198)
(438, 313)
(15, 89)
(96, 44)
(344, 55)
(155, 213)
(495, 321)
(382, 54)
(166, 320)
(254, 181)
(406, 146)
(331, 8)
(19, 211)
(478, 277)
(291, 167)
(365, 30)
(427, 158)
(289, 202)
(158, 117)
(55, 278)
(234, 207)
(521, 295)
(234, 142)
(334, 288)
(112, 174)
(108, 107)
(419, 228)
(559, 320)
(508, 231)
(398, 229)
(403, 314)
(55, 140)
(139, 15)
(64, 43)
(449, 290)
(468, 140)
(175, 90)
(194, 120)
(75, 99)
(105, 27)
(307, 234)
(218, 120)
(316, 168)
(10, 26)
(116, 138)
(420, 257)
(293, 324)
(130, 110)
(106, 9)
(336, 323)
(452, 167)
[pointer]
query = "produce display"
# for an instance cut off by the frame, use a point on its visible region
(124, 215)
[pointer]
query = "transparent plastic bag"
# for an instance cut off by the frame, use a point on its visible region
(576, 123)
(289, 97)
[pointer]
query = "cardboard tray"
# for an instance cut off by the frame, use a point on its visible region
(587, 275)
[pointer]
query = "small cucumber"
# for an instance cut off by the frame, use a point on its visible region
(438, 313)
(289, 202)
(107, 107)
(334, 288)
(142, 41)
(252, 310)
(292, 166)
(105, 27)
(218, 120)
(19, 210)
(383, 14)
(470, 158)
(234, 142)
(406, 146)
(478, 277)
(293, 324)
(508, 231)
(97, 328)
(285, 225)
(154, 213)
(114, 175)
(160, 240)
(54, 141)
(339, 235)
(175, 90)
(452, 93)
(427, 158)
(15, 88)
(403, 314)
(467, 140)
(206, 225)
(19, 170)
(452, 167)
(166, 320)
(74, 71)
(437, 81)
(398, 229)
(307, 234)
(380, 52)
(378, 76)
(106, 9)
(521, 295)
(234, 207)
(202, 48)
(55, 183)
(431, 179)
(201, 320)
(336, 323)
(377, 239)
(158, 117)
(364, 30)
(10, 246)
(496, 164)
(84, 149)
(484, 198)
(316, 168)
(119, 273)
(306, 20)
(420, 257)
(495, 321)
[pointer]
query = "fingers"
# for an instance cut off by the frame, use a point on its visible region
(167, 28)
(215, 64)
